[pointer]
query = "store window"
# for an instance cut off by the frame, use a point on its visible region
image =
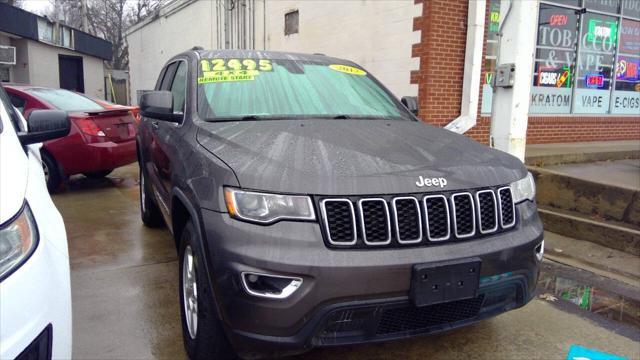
(492, 27)
(626, 94)
(587, 58)
(555, 60)
(598, 39)
(631, 8)
(610, 6)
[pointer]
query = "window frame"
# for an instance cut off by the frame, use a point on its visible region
(170, 71)
(185, 81)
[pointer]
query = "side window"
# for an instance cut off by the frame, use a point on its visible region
(159, 82)
(178, 87)
(18, 102)
(168, 76)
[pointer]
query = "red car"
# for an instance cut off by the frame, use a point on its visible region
(135, 110)
(100, 139)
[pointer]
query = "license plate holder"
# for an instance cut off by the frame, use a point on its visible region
(435, 283)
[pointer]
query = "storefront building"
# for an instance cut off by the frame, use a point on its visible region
(586, 84)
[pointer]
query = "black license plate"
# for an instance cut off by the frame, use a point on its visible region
(435, 283)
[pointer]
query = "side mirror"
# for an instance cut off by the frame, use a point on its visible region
(411, 103)
(45, 125)
(158, 105)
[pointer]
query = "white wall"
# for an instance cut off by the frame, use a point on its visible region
(20, 71)
(44, 69)
(150, 46)
(377, 34)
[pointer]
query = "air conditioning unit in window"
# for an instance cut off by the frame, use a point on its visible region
(7, 55)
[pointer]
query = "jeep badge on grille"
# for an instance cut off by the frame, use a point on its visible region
(442, 182)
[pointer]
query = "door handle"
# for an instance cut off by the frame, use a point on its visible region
(154, 125)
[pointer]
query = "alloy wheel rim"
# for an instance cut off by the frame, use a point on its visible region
(190, 292)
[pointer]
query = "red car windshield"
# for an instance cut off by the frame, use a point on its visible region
(64, 99)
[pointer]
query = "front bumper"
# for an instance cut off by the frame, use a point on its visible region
(36, 298)
(335, 280)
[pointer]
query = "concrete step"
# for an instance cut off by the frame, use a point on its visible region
(602, 199)
(614, 235)
(592, 257)
(580, 152)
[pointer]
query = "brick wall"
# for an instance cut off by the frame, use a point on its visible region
(441, 52)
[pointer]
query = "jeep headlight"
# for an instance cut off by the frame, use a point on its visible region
(18, 239)
(267, 208)
(523, 189)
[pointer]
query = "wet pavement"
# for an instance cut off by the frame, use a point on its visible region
(125, 299)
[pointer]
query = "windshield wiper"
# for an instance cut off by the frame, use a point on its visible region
(252, 117)
(342, 116)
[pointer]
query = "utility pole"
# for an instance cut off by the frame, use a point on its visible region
(517, 45)
(85, 21)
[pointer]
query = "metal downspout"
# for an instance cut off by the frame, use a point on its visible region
(472, 69)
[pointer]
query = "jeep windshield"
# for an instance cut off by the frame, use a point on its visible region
(264, 89)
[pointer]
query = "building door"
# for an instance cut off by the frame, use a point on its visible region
(71, 73)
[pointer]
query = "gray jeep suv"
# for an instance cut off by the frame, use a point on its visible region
(311, 208)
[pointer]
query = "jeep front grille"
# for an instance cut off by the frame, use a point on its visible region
(464, 217)
(340, 221)
(374, 218)
(438, 221)
(507, 208)
(487, 211)
(416, 219)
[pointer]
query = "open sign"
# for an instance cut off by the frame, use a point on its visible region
(558, 20)
(593, 80)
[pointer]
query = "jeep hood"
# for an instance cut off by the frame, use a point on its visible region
(353, 157)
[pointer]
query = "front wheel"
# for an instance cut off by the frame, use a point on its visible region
(202, 331)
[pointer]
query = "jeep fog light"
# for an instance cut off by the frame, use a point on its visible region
(267, 208)
(270, 286)
(523, 189)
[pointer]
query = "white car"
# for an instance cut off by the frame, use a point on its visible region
(35, 290)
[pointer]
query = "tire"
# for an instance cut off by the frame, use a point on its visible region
(204, 337)
(52, 173)
(98, 174)
(149, 211)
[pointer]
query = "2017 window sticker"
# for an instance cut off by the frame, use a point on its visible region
(348, 69)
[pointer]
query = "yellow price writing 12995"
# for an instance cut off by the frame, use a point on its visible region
(208, 65)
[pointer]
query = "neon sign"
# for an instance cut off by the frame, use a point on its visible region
(627, 69)
(602, 31)
(594, 81)
(558, 20)
(554, 77)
